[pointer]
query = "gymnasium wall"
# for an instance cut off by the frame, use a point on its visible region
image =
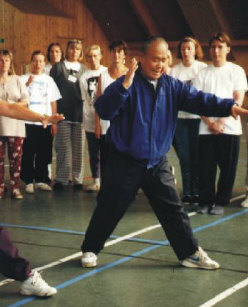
(24, 33)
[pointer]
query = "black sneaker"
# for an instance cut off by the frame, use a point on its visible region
(186, 199)
(195, 199)
(58, 186)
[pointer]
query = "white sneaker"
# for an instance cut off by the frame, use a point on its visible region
(35, 285)
(43, 186)
(201, 260)
(29, 188)
(93, 188)
(244, 203)
(89, 260)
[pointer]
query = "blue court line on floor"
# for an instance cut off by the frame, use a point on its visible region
(125, 259)
(58, 230)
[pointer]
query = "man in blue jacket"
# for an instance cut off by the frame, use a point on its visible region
(142, 107)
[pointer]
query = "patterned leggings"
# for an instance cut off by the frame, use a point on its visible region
(15, 153)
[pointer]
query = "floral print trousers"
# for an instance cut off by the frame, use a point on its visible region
(15, 153)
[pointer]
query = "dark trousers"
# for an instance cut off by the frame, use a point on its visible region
(217, 151)
(186, 146)
(37, 154)
(122, 178)
(97, 153)
(11, 264)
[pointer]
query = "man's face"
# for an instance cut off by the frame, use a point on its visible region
(153, 62)
(219, 52)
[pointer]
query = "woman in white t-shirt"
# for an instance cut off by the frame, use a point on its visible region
(186, 135)
(117, 68)
(37, 147)
(89, 87)
(219, 137)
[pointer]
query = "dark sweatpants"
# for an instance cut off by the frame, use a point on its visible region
(220, 150)
(11, 264)
(122, 178)
(37, 154)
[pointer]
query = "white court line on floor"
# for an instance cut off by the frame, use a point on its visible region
(109, 243)
(112, 242)
(223, 295)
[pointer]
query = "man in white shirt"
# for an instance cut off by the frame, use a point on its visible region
(219, 137)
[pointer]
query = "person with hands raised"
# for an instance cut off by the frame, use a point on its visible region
(142, 108)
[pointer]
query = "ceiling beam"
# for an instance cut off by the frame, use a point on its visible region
(145, 17)
(202, 28)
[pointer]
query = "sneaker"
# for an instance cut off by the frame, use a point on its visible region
(217, 210)
(29, 188)
(186, 199)
(93, 188)
(201, 260)
(16, 194)
(43, 186)
(244, 203)
(35, 285)
(203, 209)
(89, 260)
(194, 199)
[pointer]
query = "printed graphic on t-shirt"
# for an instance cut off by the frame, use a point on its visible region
(38, 95)
(92, 88)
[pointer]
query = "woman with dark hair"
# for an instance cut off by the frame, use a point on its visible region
(117, 68)
(69, 143)
(54, 55)
(186, 135)
(12, 131)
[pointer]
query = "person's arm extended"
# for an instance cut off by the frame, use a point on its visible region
(14, 110)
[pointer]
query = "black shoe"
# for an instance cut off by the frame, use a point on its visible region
(78, 187)
(58, 186)
(195, 199)
(186, 199)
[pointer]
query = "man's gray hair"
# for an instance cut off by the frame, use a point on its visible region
(151, 40)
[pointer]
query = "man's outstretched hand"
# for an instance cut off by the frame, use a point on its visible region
(236, 111)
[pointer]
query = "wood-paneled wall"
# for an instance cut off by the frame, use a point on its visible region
(24, 33)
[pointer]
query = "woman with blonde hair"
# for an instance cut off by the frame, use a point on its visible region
(187, 129)
(12, 131)
(69, 142)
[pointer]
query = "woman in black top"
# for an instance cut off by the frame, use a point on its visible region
(69, 143)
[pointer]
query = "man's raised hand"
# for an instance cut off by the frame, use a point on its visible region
(130, 74)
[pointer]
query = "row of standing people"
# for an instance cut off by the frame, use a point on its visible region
(218, 138)
(205, 143)
(68, 85)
